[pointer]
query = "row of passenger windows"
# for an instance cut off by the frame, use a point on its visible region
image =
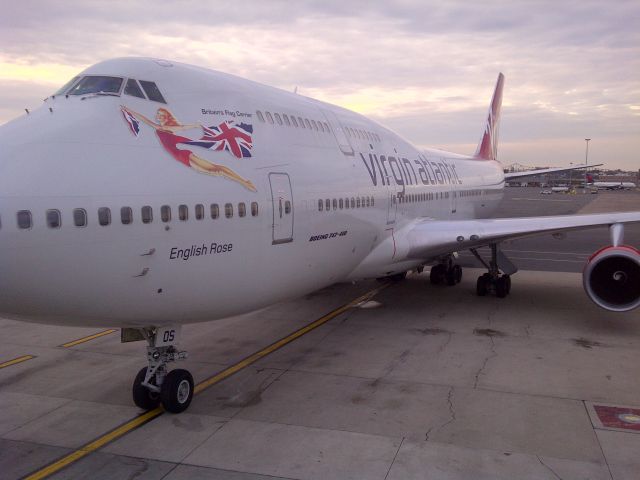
(80, 217)
(340, 203)
(299, 122)
(293, 121)
(362, 134)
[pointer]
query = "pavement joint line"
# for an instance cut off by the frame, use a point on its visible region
(15, 361)
(146, 417)
(88, 338)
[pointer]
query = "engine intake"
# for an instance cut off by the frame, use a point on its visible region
(611, 278)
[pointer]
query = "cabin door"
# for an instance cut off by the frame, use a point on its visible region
(338, 132)
(282, 198)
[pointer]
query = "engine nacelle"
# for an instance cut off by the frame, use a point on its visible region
(611, 278)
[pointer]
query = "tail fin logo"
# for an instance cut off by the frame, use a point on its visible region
(488, 147)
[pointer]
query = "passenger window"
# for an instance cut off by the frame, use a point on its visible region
(242, 209)
(341, 203)
(286, 120)
(260, 116)
(152, 91)
(132, 88)
(199, 211)
(104, 216)
(306, 122)
(228, 210)
(368, 202)
(24, 219)
(320, 205)
(254, 209)
(53, 219)
(126, 215)
(183, 213)
(327, 204)
(287, 207)
(79, 217)
(353, 202)
(358, 202)
(278, 119)
(315, 125)
(346, 203)
(147, 214)
(335, 204)
(294, 121)
(269, 118)
(326, 127)
(372, 201)
(165, 213)
(301, 122)
(215, 211)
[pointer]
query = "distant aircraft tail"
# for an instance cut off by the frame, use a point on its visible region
(488, 147)
(589, 178)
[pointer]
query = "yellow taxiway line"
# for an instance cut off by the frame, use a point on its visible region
(21, 359)
(88, 338)
(218, 377)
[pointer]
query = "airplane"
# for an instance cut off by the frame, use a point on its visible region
(610, 185)
(146, 194)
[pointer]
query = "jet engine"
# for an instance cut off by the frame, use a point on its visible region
(611, 278)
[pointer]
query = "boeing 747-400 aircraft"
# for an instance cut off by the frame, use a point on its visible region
(147, 194)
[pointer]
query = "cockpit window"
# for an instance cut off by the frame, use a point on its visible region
(96, 84)
(152, 91)
(132, 88)
(67, 86)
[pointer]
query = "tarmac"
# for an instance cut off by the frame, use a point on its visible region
(418, 381)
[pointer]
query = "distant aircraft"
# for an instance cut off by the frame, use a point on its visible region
(610, 185)
(147, 194)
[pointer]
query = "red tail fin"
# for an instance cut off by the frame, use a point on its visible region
(488, 147)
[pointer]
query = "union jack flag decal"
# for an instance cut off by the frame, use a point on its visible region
(134, 125)
(235, 139)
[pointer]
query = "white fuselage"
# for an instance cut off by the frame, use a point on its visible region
(75, 153)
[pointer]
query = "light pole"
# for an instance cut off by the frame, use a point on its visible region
(586, 162)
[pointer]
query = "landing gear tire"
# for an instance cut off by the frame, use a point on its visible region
(437, 274)
(457, 269)
(508, 281)
(451, 277)
(176, 392)
(502, 286)
(482, 285)
(142, 396)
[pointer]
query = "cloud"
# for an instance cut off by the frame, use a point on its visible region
(426, 69)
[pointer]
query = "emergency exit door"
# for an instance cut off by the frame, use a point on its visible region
(282, 198)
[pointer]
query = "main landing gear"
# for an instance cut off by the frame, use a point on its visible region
(493, 281)
(153, 384)
(446, 273)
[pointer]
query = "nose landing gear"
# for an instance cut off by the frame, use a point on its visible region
(154, 385)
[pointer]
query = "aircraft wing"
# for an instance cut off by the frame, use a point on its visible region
(431, 238)
(542, 171)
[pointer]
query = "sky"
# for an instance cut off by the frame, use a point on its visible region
(426, 69)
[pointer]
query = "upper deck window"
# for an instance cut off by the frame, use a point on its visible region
(152, 91)
(96, 84)
(132, 88)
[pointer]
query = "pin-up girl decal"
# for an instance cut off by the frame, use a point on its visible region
(166, 129)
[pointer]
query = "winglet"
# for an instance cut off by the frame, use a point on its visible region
(488, 147)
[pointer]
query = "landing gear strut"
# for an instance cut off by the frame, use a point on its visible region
(492, 281)
(153, 384)
(446, 273)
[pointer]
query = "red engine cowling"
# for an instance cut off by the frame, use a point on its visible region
(611, 278)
